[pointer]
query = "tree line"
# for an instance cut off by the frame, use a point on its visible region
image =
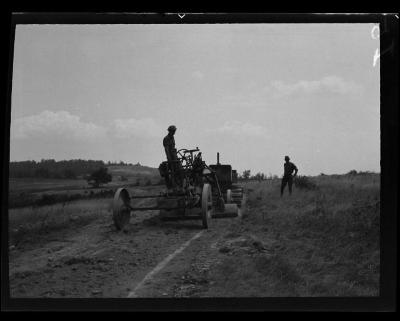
(246, 175)
(49, 168)
(121, 163)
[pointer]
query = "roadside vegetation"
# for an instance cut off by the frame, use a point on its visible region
(24, 199)
(30, 224)
(321, 241)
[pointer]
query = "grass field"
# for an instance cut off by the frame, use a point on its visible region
(29, 224)
(319, 242)
(32, 185)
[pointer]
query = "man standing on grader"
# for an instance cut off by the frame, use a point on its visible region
(169, 144)
(172, 157)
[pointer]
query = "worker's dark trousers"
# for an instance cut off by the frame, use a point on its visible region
(287, 180)
(176, 169)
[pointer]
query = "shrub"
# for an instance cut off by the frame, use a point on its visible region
(303, 182)
(46, 199)
(246, 174)
(99, 177)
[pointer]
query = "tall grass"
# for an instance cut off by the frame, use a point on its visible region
(328, 234)
(303, 182)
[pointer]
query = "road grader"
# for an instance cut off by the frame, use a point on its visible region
(194, 191)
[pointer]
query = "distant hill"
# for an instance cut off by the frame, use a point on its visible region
(76, 168)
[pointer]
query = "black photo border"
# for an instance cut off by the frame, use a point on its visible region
(389, 82)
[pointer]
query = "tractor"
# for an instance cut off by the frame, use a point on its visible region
(194, 191)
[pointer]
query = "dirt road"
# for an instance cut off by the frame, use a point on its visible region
(98, 261)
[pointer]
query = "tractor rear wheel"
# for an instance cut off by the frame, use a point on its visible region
(121, 208)
(206, 205)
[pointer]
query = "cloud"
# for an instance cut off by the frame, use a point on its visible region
(198, 74)
(64, 125)
(126, 128)
(241, 128)
(332, 84)
(259, 96)
(55, 124)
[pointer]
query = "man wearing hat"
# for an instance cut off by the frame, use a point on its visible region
(287, 178)
(172, 157)
(169, 144)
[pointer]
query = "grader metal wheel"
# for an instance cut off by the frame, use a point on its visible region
(206, 205)
(121, 210)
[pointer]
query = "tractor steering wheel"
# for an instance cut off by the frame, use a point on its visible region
(179, 152)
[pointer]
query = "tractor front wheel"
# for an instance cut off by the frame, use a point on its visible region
(206, 205)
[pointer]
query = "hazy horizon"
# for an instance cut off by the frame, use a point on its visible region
(253, 92)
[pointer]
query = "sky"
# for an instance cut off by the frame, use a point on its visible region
(253, 92)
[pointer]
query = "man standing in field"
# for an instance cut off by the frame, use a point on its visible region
(287, 178)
